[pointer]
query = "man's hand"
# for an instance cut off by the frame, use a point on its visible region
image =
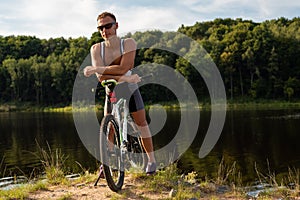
(88, 71)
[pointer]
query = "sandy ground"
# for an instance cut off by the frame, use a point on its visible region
(88, 191)
(132, 189)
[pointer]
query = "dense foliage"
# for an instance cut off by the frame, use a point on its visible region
(260, 60)
(256, 60)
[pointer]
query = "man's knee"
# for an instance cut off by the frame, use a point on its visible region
(139, 118)
(141, 123)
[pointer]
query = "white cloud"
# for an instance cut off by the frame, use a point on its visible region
(148, 18)
(257, 10)
(74, 18)
(277, 8)
(135, 17)
(53, 18)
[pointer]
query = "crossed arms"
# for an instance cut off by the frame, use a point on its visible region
(114, 71)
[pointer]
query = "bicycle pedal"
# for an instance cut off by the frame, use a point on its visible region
(124, 146)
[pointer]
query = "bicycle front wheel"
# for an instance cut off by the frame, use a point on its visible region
(136, 153)
(111, 155)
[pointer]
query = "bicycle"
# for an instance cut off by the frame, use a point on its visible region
(120, 142)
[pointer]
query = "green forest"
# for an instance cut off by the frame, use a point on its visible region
(256, 61)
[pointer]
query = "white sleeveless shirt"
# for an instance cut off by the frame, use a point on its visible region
(128, 73)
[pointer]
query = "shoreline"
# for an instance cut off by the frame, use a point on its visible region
(231, 105)
(166, 184)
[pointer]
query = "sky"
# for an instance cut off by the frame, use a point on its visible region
(75, 18)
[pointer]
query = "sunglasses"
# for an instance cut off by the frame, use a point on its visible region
(106, 26)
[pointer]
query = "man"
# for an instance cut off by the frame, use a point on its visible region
(113, 59)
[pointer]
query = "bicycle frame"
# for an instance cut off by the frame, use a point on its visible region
(116, 111)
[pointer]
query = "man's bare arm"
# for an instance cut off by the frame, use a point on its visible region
(129, 79)
(127, 62)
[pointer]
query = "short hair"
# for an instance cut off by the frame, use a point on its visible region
(106, 14)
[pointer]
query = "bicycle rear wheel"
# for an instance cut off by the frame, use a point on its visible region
(111, 155)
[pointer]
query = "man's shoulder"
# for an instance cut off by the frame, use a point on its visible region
(130, 42)
(95, 47)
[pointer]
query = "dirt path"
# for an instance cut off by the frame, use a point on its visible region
(131, 190)
(135, 188)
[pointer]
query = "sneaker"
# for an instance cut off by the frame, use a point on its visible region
(151, 169)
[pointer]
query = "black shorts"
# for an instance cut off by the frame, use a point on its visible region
(131, 93)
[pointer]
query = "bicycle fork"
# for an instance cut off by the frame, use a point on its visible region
(122, 121)
(123, 126)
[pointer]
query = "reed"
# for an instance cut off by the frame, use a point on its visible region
(294, 180)
(269, 178)
(53, 163)
(2, 167)
(228, 174)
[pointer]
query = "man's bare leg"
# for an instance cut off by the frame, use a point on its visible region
(140, 119)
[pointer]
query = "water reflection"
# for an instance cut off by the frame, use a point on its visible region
(260, 139)
(20, 133)
(255, 137)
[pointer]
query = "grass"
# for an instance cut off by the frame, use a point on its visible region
(170, 180)
(287, 187)
(23, 191)
(294, 178)
(231, 105)
(227, 174)
(190, 186)
(2, 167)
(179, 186)
(53, 163)
(53, 166)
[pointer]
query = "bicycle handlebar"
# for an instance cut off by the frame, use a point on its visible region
(147, 76)
(113, 82)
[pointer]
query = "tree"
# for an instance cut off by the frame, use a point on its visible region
(291, 87)
(248, 59)
(257, 59)
(10, 65)
(5, 89)
(227, 60)
(95, 38)
(40, 71)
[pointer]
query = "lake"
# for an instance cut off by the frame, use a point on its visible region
(251, 139)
